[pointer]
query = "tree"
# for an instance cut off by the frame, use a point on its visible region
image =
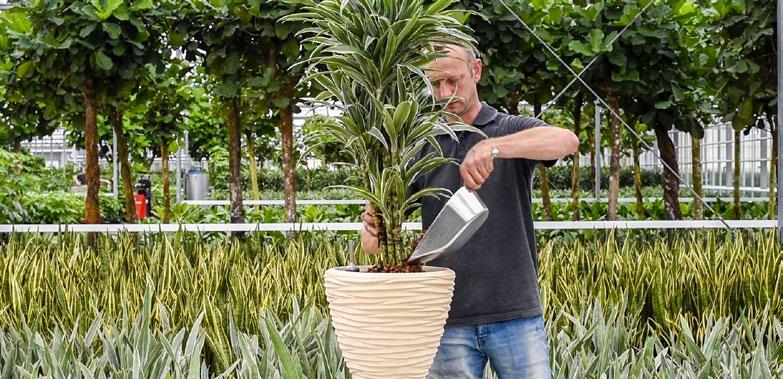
(94, 51)
(600, 25)
(577, 111)
(24, 112)
(205, 127)
(285, 51)
(642, 77)
(224, 36)
(746, 74)
(168, 97)
(259, 124)
(244, 49)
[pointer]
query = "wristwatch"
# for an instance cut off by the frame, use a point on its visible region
(494, 152)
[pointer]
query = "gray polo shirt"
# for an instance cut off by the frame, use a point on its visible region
(497, 268)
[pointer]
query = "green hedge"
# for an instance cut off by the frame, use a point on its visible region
(307, 179)
(318, 179)
(560, 177)
(33, 193)
(58, 208)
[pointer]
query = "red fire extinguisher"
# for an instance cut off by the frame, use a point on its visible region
(141, 205)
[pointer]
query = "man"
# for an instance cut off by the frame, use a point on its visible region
(495, 313)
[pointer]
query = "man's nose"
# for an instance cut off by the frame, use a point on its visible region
(446, 90)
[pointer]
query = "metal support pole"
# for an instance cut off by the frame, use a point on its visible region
(780, 119)
(179, 174)
(597, 148)
(728, 169)
(115, 170)
(50, 156)
(187, 152)
(764, 156)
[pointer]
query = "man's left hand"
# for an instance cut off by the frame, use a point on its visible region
(477, 166)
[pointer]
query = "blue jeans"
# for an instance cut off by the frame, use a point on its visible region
(515, 349)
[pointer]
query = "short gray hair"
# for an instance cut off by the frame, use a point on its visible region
(470, 53)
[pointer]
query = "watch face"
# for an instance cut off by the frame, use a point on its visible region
(494, 152)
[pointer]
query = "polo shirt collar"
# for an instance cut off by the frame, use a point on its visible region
(486, 115)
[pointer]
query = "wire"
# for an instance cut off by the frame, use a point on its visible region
(557, 97)
(587, 86)
(596, 57)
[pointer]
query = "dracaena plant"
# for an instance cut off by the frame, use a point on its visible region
(369, 57)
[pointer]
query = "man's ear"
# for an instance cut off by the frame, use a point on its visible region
(476, 69)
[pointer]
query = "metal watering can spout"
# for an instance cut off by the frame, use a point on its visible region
(459, 219)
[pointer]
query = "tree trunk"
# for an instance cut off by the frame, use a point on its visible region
(614, 160)
(125, 169)
(164, 157)
(237, 212)
(251, 155)
(698, 207)
(637, 179)
(92, 204)
(773, 173)
(546, 202)
(671, 184)
(736, 174)
(575, 188)
(17, 146)
(286, 124)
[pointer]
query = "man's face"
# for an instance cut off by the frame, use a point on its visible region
(455, 77)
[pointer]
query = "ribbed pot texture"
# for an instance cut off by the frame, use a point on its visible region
(389, 325)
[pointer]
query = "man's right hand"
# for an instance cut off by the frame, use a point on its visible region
(369, 232)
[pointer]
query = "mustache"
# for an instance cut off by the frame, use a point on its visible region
(453, 100)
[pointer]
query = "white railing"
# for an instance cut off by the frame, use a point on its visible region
(356, 226)
(248, 203)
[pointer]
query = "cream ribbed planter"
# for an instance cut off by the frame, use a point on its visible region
(389, 325)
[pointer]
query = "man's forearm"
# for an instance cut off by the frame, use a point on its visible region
(545, 143)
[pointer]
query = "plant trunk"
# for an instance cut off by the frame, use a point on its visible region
(575, 188)
(125, 169)
(698, 207)
(237, 213)
(773, 174)
(286, 125)
(17, 146)
(671, 184)
(546, 202)
(614, 160)
(164, 156)
(251, 155)
(92, 204)
(736, 174)
(637, 180)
